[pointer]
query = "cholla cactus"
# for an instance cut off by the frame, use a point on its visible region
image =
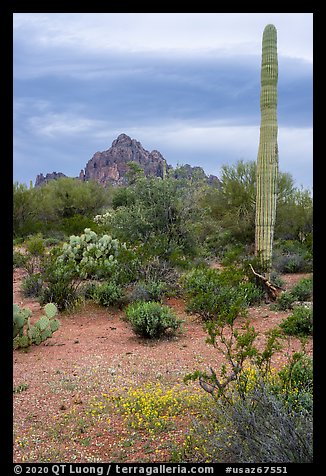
(267, 162)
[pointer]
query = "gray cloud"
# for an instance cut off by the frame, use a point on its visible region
(82, 79)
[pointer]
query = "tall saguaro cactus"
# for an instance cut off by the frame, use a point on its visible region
(267, 161)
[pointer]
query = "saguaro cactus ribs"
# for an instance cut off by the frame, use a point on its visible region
(267, 161)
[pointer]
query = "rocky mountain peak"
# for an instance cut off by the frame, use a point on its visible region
(123, 140)
(110, 166)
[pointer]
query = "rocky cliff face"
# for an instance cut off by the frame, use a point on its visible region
(110, 166)
(40, 179)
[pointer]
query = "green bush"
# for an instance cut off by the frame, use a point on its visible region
(299, 323)
(35, 245)
(260, 428)
(126, 269)
(291, 256)
(61, 283)
(76, 224)
(33, 256)
(214, 293)
(284, 301)
(148, 291)
(296, 379)
(53, 240)
(151, 319)
(62, 293)
(276, 279)
(19, 260)
(302, 291)
(32, 285)
(233, 255)
(87, 290)
(291, 263)
(108, 294)
(159, 270)
(153, 215)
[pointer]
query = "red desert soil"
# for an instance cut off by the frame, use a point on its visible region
(94, 352)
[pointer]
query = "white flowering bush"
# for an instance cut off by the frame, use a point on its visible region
(103, 219)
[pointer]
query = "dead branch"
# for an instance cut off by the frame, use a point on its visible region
(272, 290)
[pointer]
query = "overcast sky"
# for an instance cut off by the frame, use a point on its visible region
(186, 84)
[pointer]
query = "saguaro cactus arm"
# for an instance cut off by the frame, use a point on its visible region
(267, 161)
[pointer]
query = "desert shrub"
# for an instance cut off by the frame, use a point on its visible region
(299, 323)
(34, 254)
(19, 260)
(292, 257)
(251, 293)
(233, 254)
(76, 224)
(254, 416)
(212, 293)
(300, 371)
(35, 245)
(62, 293)
(123, 197)
(296, 382)
(87, 289)
(151, 319)
(276, 279)
(126, 269)
(108, 294)
(53, 241)
(290, 263)
(32, 285)
(157, 269)
(148, 291)
(284, 301)
(217, 242)
(257, 429)
(302, 291)
(156, 215)
(61, 283)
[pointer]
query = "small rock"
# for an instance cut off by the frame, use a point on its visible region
(78, 400)
(307, 304)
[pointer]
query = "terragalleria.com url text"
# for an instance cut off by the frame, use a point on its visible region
(99, 470)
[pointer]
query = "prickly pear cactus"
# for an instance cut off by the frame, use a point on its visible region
(89, 251)
(50, 310)
(267, 161)
(25, 334)
(20, 318)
